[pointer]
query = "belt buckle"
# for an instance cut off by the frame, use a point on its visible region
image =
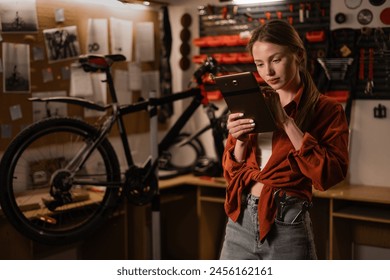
(253, 198)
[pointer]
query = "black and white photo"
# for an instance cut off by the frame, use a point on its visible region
(16, 72)
(18, 16)
(61, 43)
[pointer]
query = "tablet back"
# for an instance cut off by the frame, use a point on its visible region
(242, 94)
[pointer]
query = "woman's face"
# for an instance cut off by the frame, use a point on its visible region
(277, 65)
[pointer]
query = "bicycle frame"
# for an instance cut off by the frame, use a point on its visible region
(50, 171)
(118, 111)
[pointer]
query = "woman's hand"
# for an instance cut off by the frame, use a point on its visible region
(239, 127)
(273, 100)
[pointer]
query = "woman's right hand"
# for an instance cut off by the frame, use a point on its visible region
(239, 127)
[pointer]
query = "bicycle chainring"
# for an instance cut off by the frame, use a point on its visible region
(139, 189)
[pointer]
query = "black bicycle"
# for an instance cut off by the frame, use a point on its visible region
(60, 177)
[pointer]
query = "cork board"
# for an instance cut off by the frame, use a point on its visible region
(75, 14)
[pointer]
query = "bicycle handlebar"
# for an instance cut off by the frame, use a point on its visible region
(208, 66)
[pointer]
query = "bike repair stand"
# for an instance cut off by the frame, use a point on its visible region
(156, 242)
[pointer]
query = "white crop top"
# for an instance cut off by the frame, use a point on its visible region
(264, 148)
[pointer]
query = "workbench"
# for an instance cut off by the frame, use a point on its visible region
(342, 216)
(193, 220)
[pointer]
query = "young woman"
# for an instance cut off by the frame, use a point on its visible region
(267, 207)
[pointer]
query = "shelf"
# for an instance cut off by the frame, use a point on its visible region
(361, 213)
(212, 199)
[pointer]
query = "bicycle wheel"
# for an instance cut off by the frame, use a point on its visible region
(37, 194)
(179, 159)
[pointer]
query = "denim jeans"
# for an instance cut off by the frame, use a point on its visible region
(287, 240)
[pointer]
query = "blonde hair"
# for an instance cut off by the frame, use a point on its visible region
(282, 33)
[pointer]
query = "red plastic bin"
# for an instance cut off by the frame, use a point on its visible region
(340, 95)
(244, 58)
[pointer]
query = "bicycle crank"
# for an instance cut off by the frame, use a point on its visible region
(139, 189)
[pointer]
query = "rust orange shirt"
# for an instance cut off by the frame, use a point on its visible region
(321, 162)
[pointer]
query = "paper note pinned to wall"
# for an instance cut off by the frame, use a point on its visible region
(65, 72)
(47, 74)
(97, 40)
(150, 82)
(80, 83)
(99, 94)
(134, 79)
(6, 131)
(38, 53)
(145, 41)
(121, 37)
(120, 81)
(59, 15)
(16, 112)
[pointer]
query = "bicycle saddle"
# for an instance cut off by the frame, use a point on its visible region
(94, 63)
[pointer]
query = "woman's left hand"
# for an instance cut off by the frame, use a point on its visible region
(273, 100)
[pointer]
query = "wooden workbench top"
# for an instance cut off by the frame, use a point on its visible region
(363, 193)
(345, 191)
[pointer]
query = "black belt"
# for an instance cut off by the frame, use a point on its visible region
(284, 200)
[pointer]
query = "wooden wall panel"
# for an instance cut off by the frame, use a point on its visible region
(76, 13)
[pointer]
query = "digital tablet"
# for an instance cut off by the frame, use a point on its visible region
(242, 94)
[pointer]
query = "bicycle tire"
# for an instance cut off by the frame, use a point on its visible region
(32, 158)
(170, 166)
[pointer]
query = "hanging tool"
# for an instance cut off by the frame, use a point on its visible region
(361, 64)
(302, 13)
(370, 80)
(268, 15)
(307, 11)
(262, 20)
(249, 16)
(225, 12)
(291, 8)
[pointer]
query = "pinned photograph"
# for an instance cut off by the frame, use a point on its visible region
(61, 43)
(18, 16)
(16, 77)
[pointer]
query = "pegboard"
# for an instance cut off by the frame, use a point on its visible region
(373, 63)
(310, 19)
